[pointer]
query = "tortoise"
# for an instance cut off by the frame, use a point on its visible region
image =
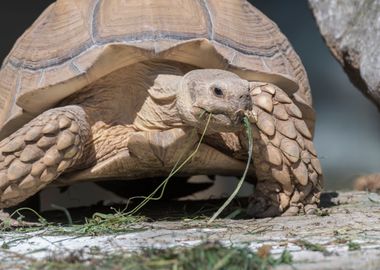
(104, 90)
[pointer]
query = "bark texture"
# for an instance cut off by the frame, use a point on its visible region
(351, 29)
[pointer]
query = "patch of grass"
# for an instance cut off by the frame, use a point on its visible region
(286, 257)
(311, 246)
(9, 222)
(213, 256)
(353, 246)
(105, 220)
(98, 224)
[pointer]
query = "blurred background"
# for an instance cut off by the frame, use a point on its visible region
(348, 128)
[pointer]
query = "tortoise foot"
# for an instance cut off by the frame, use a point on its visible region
(265, 201)
(39, 152)
(269, 200)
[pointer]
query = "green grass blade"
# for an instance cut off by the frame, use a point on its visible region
(248, 127)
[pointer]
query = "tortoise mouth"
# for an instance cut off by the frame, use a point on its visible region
(220, 122)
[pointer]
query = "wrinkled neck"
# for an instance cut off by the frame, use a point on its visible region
(184, 106)
(155, 116)
(159, 110)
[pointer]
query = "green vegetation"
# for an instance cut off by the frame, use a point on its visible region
(211, 256)
(248, 129)
(353, 246)
(311, 246)
(98, 224)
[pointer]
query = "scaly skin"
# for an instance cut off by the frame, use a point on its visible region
(40, 151)
(287, 168)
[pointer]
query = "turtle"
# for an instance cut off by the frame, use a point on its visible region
(118, 90)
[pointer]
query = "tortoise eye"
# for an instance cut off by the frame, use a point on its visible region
(218, 92)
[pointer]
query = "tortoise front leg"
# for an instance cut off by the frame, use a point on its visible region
(40, 151)
(288, 171)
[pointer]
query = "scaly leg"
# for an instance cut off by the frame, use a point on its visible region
(40, 151)
(286, 164)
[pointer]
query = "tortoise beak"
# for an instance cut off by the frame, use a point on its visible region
(244, 104)
(237, 119)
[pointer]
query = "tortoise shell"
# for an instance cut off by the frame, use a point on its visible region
(74, 43)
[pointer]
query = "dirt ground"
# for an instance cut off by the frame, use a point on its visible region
(345, 235)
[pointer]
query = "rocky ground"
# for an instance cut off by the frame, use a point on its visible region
(345, 235)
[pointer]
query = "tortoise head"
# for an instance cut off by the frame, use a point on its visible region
(221, 93)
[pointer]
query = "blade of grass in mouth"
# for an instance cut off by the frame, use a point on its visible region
(248, 129)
